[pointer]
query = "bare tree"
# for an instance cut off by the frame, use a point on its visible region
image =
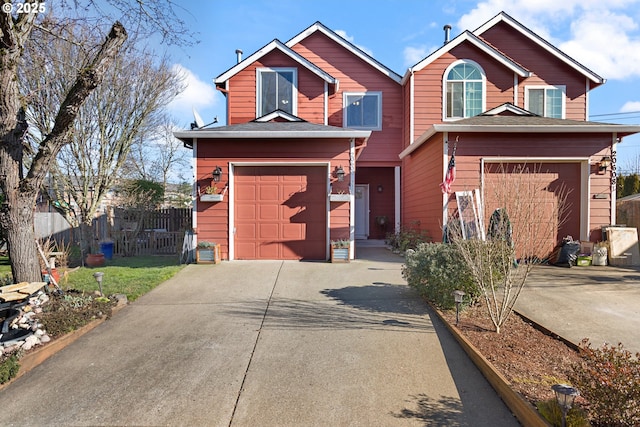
(528, 217)
(158, 156)
(21, 177)
(128, 105)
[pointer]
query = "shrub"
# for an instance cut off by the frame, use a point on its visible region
(9, 368)
(408, 237)
(551, 411)
(609, 379)
(436, 270)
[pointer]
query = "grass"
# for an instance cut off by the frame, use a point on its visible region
(132, 276)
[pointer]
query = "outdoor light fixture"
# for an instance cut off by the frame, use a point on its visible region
(457, 297)
(604, 163)
(217, 173)
(565, 395)
(98, 276)
(339, 172)
(380, 188)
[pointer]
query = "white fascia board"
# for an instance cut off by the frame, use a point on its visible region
(471, 38)
(347, 45)
(275, 44)
(503, 17)
(444, 127)
(271, 135)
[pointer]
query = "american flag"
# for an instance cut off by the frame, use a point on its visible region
(450, 176)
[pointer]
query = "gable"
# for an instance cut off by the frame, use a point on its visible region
(320, 29)
(517, 41)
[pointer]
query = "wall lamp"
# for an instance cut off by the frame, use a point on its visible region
(604, 163)
(339, 173)
(217, 173)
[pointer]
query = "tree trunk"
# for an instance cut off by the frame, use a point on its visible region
(17, 213)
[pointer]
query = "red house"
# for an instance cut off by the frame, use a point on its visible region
(322, 142)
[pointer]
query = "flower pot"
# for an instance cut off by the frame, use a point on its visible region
(208, 255)
(95, 260)
(54, 273)
(211, 197)
(339, 254)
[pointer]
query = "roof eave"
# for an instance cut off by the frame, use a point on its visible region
(200, 134)
(318, 26)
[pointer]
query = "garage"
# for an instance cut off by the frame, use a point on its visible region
(280, 212)
(542, 181)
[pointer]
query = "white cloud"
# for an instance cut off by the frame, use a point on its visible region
(412, 55)
(603, 36)
(630, 107)
(349, 38)
(197, 93)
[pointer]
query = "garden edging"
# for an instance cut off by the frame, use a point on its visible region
(35, 357)
(521, 408)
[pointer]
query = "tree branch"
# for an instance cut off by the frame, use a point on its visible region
(87, 80)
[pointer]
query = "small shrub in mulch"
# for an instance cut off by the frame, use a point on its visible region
(71, 311)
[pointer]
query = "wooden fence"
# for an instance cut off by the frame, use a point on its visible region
(163, 233)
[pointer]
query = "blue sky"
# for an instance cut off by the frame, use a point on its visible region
(603, 37)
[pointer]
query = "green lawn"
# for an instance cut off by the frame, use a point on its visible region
(132, 276)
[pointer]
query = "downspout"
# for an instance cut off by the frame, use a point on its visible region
(352, 189)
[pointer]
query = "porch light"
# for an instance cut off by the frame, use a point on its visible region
(565, 395)
(458, 296)
(98, 276)
(604, 163)
(217, 173)
(339, 173)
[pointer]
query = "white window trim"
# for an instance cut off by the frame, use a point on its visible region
(344, 109)
(444, 88)
(562, 88)
(294, 92)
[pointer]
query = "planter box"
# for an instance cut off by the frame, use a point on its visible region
(339, 254)
(210, 255)
(340, 198)
(211, 197)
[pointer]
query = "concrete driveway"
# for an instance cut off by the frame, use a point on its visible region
(599, 303)
(264, 344)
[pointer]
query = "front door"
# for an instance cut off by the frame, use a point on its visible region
(362, 211)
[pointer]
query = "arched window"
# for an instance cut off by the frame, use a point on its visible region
(464, 96)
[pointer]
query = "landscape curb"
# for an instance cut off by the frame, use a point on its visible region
(34, 358)
(526, 414)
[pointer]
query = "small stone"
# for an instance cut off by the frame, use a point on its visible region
(39, 332)
(37, 310)
(45, 338)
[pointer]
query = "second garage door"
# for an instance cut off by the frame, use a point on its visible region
(280, 212)
(544, 183)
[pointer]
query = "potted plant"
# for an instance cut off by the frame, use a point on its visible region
(207, 252)
(340, 250)
(212, 193)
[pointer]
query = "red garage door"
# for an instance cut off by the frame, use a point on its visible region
(513, 185)
(280, 212)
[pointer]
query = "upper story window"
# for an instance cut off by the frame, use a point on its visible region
(546, 101)
(464, 86)
(276, 90)
(363, 110)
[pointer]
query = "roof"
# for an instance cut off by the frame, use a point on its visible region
(504, 17)
(522, 123)
(274, 45)
(271, 130)
(319, 27)
(487, 48)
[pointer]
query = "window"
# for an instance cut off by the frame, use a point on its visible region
(464, 85)
(546, 101)
(363, 110)
(276, 90)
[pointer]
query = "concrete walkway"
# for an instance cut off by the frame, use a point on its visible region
(264, 344)
(599, 303)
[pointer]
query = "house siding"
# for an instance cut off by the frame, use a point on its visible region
(213, 217)
(548, 69)
(356, 75)
(423, 172)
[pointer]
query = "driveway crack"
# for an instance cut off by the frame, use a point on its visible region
(255, 344)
